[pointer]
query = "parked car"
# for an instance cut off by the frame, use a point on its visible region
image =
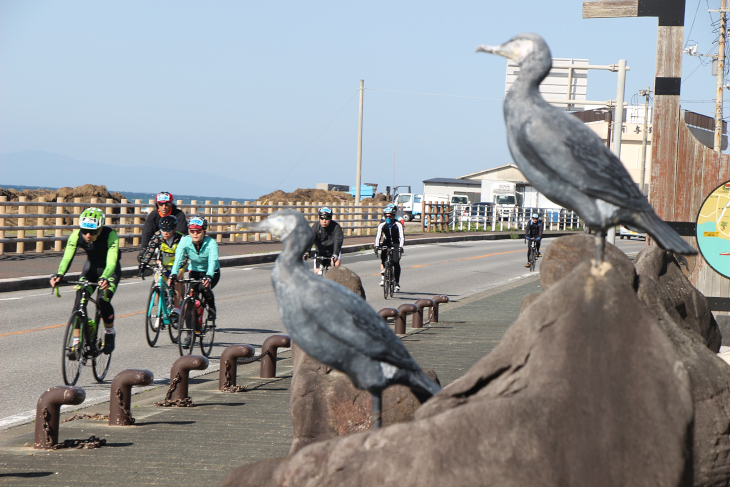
(628, 232)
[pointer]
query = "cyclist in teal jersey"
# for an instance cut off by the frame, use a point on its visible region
(202, 252)
(101, 245)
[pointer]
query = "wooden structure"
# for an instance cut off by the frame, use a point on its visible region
(683, 170)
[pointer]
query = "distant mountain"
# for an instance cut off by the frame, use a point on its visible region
(46, 169)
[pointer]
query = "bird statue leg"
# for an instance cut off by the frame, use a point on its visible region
(377, 398)
(600, 240)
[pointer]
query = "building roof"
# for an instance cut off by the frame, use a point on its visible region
(458, 182)
(492, 169)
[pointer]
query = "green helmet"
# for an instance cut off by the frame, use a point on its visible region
(91, 219)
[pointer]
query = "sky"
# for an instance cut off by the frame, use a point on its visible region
(266, 93)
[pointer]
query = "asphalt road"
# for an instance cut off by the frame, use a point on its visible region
(33, 322)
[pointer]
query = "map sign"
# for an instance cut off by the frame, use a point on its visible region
(713, 229)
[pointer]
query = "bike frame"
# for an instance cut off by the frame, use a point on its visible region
(165, 290)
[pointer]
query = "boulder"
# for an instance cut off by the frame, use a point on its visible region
(347, 278)
(324, 403)
(684, 317)
(574, 394)
(565, 254)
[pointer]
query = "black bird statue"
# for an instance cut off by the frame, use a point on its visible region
(334, 325)
(567, 161)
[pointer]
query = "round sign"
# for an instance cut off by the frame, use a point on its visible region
(713, 229)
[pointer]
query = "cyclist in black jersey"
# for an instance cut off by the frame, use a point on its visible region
(390, 231)
(533, 230)
(163, 207)
(328, 237)
(101, 245)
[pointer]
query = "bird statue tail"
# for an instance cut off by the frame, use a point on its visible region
(665, 236)
(422, 386)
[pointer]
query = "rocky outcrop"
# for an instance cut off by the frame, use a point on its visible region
(684, 316)
(347, 278)
(574, 394)
(324, 403)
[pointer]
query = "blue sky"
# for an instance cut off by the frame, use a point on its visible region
(266, 92)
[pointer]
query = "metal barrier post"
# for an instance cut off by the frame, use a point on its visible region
(404, 310)
(268, 360)
(400, 327)
(229, 365)
(48, 413)
(417, 321)
(180, 374)
(120, 400)
(434, 315)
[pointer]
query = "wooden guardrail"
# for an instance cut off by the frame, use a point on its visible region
(46, 225)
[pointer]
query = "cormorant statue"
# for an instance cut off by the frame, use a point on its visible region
(565, 160)
(334, 325)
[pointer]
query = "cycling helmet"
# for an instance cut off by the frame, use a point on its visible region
(389, 209)
(534, 215)
(164, 197)
(325, 212)
(168, 223)
(91, 219)
(197, 222)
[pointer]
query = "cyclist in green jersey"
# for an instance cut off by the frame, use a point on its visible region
(101, 245)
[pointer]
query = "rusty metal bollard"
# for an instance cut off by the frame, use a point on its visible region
(433, 316)
(268, 354)
(48, 413)
(180, 373)
(120, 400)
(418, 315)
(405, 310)
(229, 364)
(400, 325)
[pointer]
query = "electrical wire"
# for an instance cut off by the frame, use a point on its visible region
(693, 23)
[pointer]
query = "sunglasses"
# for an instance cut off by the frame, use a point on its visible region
(166, 203)
(86, 231)
(325, 217)
(195, 232)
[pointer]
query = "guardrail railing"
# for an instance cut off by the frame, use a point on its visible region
(500, 219)
(46, 225)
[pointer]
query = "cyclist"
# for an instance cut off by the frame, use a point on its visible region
(101, 245)
(391, 232)
(202, 251)
(397, 212)
(533, 230)
(166, 239)
(163, 207)
(328, 237)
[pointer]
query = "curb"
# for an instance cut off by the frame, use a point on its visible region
(36, 282)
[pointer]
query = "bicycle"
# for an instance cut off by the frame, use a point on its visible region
(192, 324)
(323, 264)
(160, 304)
(532, 254)
(388, 273)
(90, 344)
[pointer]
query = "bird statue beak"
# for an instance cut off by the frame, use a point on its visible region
(488, 49)
(261, 226)
(502, 50)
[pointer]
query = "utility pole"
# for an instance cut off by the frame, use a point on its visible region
(393, 164)
(358, 174)
(720, 76)
(645, 93)
(618, 128)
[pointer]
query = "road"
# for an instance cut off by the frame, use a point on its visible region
(33, 322)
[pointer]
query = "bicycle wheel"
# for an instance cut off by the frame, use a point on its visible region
(186, 326)
(391, 285)
(71, 366)
(533, 258)
(174, 328)
(386, 280)
(100, 363)
(153, 319)
(206, 335)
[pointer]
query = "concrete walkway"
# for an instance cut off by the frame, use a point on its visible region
(201, 445)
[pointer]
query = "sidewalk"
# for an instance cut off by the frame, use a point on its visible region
(201, 445)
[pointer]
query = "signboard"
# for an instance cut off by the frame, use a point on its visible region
(713, 229)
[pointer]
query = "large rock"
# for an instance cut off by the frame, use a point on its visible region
(575, 394)
(347, 278)
(565, 254)
(324, 403)
(684, 316)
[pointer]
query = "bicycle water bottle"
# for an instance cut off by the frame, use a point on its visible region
(92, 327)
(200, 311)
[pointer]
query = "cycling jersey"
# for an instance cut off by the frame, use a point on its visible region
(167, 249)
(203, 260)
(392, 234)
(328, 240)
(103, 253)
(533, 230)
(152, 223)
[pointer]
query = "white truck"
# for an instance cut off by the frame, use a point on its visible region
(411, 204)
(503, 194)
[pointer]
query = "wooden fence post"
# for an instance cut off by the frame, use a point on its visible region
(109, 212)
(58, 244)
(246, 211)
(2, 223)
(219, 218)
(258, 209)
(40, 222)
(137, 221)
(232, 237)
(122, 221)
(20, 247)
